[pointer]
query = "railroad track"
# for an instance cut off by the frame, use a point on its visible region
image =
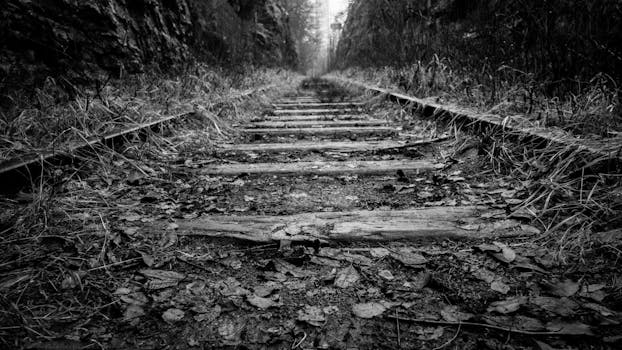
(364, 229)
(315, 144)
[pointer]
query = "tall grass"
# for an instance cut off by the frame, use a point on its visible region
(51, 118)
(594, 112)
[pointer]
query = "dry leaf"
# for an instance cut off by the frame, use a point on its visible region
(133, 311)
(160, 279)
(379, 252)
(574, 328)
(409, 258)
(347, 277)
(499, 286)
(386, 274)
(565, 288)
(261, 303)
(312, 315)
(561, 307)
(173, 315)
(368, 310)
(452, 313)
(507, 306)
(506, 255)
(521, 323)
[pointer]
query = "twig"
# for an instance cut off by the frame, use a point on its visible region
(114, 264)
(474, 324)
(450, 340)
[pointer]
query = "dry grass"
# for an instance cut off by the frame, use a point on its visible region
(594, 112)
(65, 247)
(574, 195)
(52, 119)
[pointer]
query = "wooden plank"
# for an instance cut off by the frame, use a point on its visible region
(349, 146)
(313, 146)
(324, 111)
(337, 131)
(413, 224)
(286, 118)
(316, 123)
(323, 168)
(607, 149)
(321, 105)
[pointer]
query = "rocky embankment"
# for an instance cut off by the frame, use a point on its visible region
(72, 38)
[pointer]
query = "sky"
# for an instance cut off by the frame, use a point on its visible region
(336, 6)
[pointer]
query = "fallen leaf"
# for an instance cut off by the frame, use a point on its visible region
(232, 262)
(386, 274)
(312, 315)
(562, 307)
(347, 277)
(452, 313)
(484, 275)
(521, 323)
(173, 315)
(603, 311)
(208, 315)
(287, 268)
(409, 258)
(379, 252)
(147, 259)
(368, 310)
(320, 260)
(531, 230)
(160, 279)
(135, 298)
(430, 333)
(261, 303)
(488, 248)
(133, 311)
(573, 328)
(594, 291)
(507, 306)
(169, 239)
(131, 217)
(338, 254)
(507, 255)
(130, 231)
(231, 287)
(231, 331)
(565, 288)
(499, 286)
(425, 194)
(265, 290)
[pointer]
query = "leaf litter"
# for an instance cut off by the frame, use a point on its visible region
(138, 282)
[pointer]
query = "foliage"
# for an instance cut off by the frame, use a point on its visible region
(558, 43)
(305, 31)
